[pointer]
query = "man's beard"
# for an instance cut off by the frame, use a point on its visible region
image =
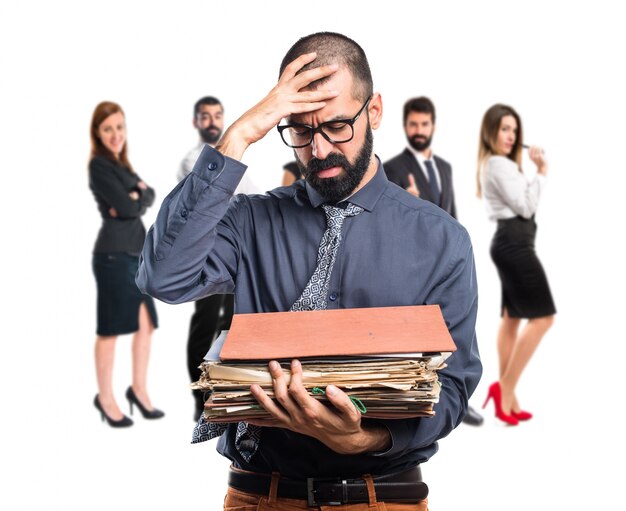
(419, 143)
(333, 189)
(210, 135)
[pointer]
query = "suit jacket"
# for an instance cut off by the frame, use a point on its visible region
(399, 167)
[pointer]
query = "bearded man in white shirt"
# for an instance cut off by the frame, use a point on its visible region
(213, 313)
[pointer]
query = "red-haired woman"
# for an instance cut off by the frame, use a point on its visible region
(122, 199)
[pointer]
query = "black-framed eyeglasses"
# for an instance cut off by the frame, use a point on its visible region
(339, 131)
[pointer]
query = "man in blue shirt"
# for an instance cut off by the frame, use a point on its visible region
(393, 249)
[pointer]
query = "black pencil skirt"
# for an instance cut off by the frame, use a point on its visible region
(119, 297)
(525, 289)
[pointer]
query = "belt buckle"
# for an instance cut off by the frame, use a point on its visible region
(311, 491)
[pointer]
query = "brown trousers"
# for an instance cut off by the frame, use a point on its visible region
(237, 500)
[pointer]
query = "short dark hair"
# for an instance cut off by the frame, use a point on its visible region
(206, 100)
(334, 48)
(422, 105)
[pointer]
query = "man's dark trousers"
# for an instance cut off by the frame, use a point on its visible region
(213, 314)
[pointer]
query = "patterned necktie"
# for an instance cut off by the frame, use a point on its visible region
(432, 180)
(313, 297)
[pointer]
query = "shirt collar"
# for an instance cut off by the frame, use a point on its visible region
(419, 157)
(366, 197)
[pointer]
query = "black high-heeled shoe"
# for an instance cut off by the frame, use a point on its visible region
(124, 422)
(147, 414)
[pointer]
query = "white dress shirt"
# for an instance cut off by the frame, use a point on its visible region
(506, 191)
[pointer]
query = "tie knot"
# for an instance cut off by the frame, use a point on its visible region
(336, 215)
(337, 211)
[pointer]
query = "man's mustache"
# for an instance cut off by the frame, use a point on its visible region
(332, 160)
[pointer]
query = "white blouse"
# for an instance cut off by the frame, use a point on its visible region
(507, 192)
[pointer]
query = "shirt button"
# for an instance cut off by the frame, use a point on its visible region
(212, 165)
(332, 296)
(184, 213)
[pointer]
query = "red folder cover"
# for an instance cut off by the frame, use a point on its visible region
(340, 332)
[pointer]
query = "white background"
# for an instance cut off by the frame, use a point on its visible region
(559, 64)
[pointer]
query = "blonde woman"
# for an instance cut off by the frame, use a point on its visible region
(511, 200)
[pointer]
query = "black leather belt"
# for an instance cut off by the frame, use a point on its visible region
(404, 486)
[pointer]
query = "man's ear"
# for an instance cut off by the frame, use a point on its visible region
(195, 124)
(375, 110)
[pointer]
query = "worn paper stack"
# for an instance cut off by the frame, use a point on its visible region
(386, 359)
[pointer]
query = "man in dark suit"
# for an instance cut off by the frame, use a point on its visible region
(414, 168)
(424, 174)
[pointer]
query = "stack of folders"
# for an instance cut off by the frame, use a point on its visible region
(386, 359)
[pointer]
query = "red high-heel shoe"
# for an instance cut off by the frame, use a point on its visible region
(522, 415)
(495, 393)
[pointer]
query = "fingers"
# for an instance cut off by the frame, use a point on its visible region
(294, 66)
(412, 180)
(309, 101)
(297, 391)
(297, 405)
(294, 409)
(311, 75)
(412, 188)
(537, 156)
(342, 402)
(285, 99)
(312, 96)
(266, 402)
(282, 392)
(535, 152)
(299, 81)
(310, 406)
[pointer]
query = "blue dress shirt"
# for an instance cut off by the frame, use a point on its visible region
(400, 250)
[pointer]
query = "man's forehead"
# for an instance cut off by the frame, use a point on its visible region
(419, 116)
(210, 109)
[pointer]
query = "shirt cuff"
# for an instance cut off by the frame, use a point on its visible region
(215, 169)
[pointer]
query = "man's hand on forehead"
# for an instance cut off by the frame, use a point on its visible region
(286, 98)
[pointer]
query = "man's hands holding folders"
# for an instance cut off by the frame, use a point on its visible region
(339, 427)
